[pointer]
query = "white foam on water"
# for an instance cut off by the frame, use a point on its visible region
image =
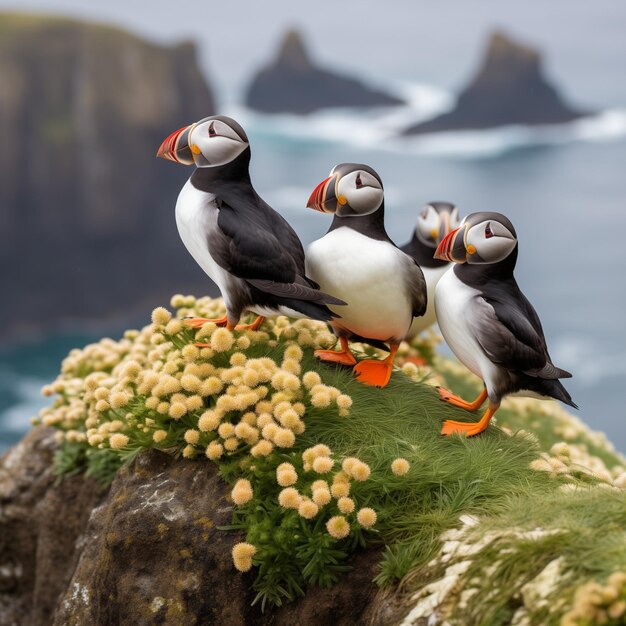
(382, 128)
(29, 401)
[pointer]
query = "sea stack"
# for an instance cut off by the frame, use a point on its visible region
(509, 88)
(293, 84)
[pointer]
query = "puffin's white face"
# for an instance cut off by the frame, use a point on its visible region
(210, 142)
(482, 238)
(489, 242)
(213, 143)
(361, 191)
(351, 190)
(435, 222)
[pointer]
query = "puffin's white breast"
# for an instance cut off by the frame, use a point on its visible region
(369, 275)
(196, 217)
(432, 275)
(455, 306)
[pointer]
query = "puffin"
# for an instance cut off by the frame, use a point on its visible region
(435, 221)
(355, 260)
(487, 321)
(250, 251)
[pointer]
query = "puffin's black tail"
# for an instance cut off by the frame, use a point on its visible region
(314, 310)
(555, 389)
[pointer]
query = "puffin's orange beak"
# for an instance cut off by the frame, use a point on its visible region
(323, 197)
(444, 249)
(176, 147)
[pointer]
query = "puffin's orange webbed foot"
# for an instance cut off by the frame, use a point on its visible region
(198, 322)
(343, 356)
(254, 326)
(450, 398)
(469, 429)
(373, 372)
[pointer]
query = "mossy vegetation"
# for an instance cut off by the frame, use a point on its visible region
(322, 465)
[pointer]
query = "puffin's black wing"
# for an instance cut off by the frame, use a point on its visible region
(510, 333)
(417, 286)
(244, 246)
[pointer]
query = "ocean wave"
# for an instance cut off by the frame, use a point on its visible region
(381, 129)
(28, 401)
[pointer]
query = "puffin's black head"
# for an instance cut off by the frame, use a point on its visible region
(211, 142)
(435, 221)
(351, 190)
(482, 238)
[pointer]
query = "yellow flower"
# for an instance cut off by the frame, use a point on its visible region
(308, 509)
(163, 407)
(102, 405)
(348, 463)
(250, 378)
(400, 466)
(323, 464)
(231, 444)
(345, 505)
(283, 437)
(189, 382)
(289, 498)
(286, 477)
(321, 399)
(269, 430)
(338, 527)
(263, 448)
(118, 400)
(190, 353)
(214, 451)
(161, 316)
(340, 490)
(321, 496)
(243, 565)
(294, 352)
(243, 550)
(177, 410)
(243, 342)
(173, 327)
(366, 517)
(361, 471)
(242, 492)
(226, 430)
(238, 358)
(211, 386)
(209, 420)
(118, 441)
(192, 436)
(189, 452)
(320, 450)
(344, 401)
(310, 379)
(290, 419)
(222, 340)
(159, 435)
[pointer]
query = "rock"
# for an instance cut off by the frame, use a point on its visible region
(509, 88)
(41, 521)
(83, 110)
(293, 84)
(149, 552)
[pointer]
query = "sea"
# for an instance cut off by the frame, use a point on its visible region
(563, 187)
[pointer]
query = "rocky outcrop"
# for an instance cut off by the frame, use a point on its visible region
(83, 200)
(509, 88)
(293, 84)
(151, 551)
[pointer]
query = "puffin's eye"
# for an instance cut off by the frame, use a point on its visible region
(212, 132)
(358, 182)
(488, 231)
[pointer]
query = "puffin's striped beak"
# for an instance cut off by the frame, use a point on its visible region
(452, 247)
(176, 146)
(323, 197)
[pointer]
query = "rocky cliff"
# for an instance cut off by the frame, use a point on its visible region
(254, 486)
(84, 203)
(292, 83)
(509, 88)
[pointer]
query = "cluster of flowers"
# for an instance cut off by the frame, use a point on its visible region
(330, 496)
(572, 463)
(598, 604)
(147, 388)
